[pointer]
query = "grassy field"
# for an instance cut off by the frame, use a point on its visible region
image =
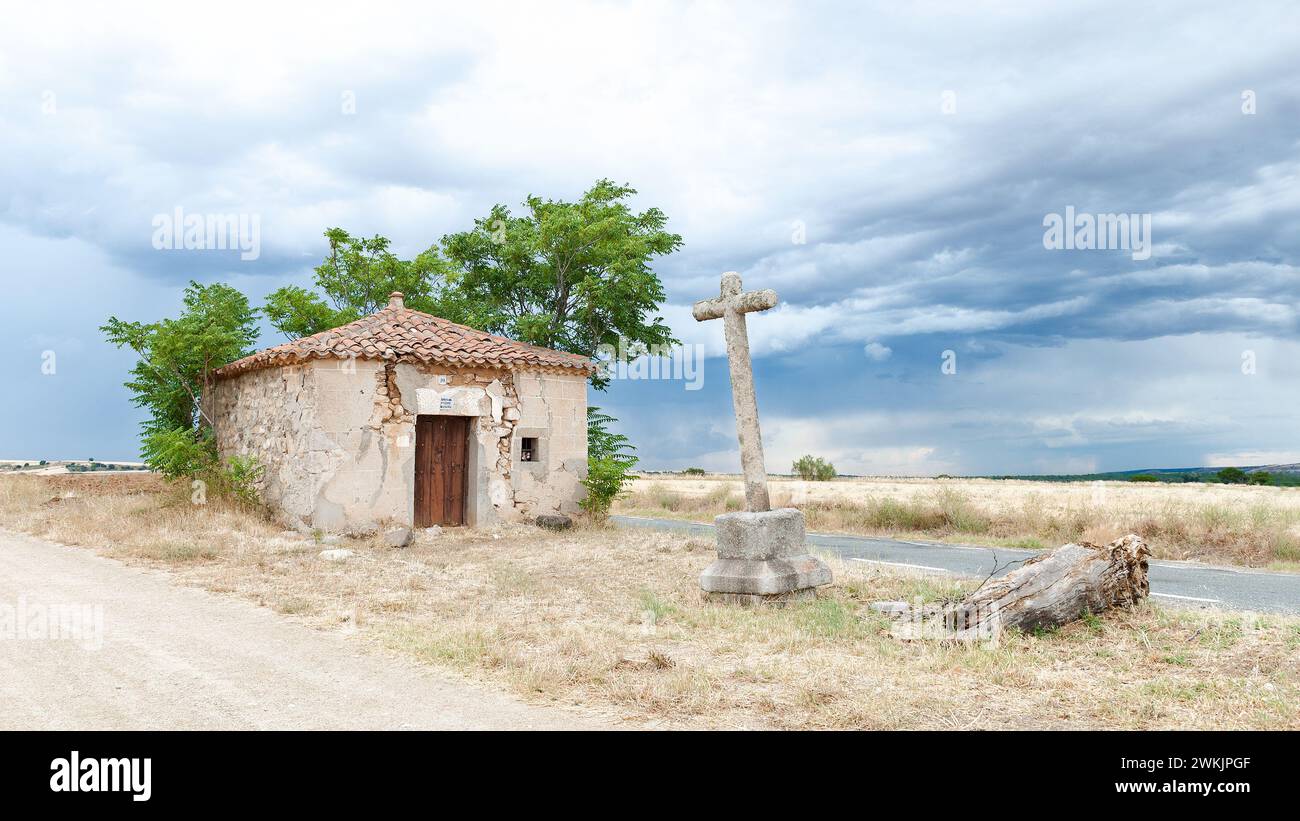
(1226, 524)
(614, 621)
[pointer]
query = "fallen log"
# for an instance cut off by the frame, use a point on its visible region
(1049, 590)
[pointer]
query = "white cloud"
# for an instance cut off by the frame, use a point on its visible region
(876, 352)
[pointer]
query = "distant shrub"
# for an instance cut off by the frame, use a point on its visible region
(1143, 477)
(693, 472)
(813, 469)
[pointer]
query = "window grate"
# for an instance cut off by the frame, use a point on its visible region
(528, 449)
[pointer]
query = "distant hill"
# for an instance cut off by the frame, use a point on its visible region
(1282, 474)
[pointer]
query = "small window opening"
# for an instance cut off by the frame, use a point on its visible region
(528, 449)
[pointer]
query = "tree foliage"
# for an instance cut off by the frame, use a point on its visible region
(355, 280)
(173, 374)
(178, 356)
(572, 276)
(605, 444)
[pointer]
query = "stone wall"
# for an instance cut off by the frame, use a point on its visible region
(271, 414)
(337, 439)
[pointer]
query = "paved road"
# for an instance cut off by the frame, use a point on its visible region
(171, 657)
(1187, 583)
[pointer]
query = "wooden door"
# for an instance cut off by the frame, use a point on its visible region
(441, 472)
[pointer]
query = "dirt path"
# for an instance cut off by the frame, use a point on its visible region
(171, 657)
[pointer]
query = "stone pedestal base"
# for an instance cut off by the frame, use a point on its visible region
(762, 557)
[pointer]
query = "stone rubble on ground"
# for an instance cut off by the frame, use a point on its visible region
(337, 554)
(398, 537)
(554, 521)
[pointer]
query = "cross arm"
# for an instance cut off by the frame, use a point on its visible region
(743, 303)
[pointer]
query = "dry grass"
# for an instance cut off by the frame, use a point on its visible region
(614, 620)
(1227, 524)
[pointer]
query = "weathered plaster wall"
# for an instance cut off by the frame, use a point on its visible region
(370, 437)
(337, 438)
(553, 408)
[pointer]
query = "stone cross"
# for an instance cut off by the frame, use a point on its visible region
(731, 306)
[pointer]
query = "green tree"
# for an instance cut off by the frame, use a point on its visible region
(813, 469)
(1143, 477)
(1260, 477)
(355, 281)
(572, 276)
(1231, 476)
(177, 358)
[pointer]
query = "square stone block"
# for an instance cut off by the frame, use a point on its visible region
(770, 534)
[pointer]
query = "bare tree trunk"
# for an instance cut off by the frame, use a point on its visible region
(1049, 590)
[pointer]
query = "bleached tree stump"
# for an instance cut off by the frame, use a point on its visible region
(1049, 590)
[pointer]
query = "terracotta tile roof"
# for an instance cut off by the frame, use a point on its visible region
(398, 334)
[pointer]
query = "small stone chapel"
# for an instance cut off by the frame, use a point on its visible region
(406, 418)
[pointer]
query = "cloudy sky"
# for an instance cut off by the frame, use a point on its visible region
(887, 170)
